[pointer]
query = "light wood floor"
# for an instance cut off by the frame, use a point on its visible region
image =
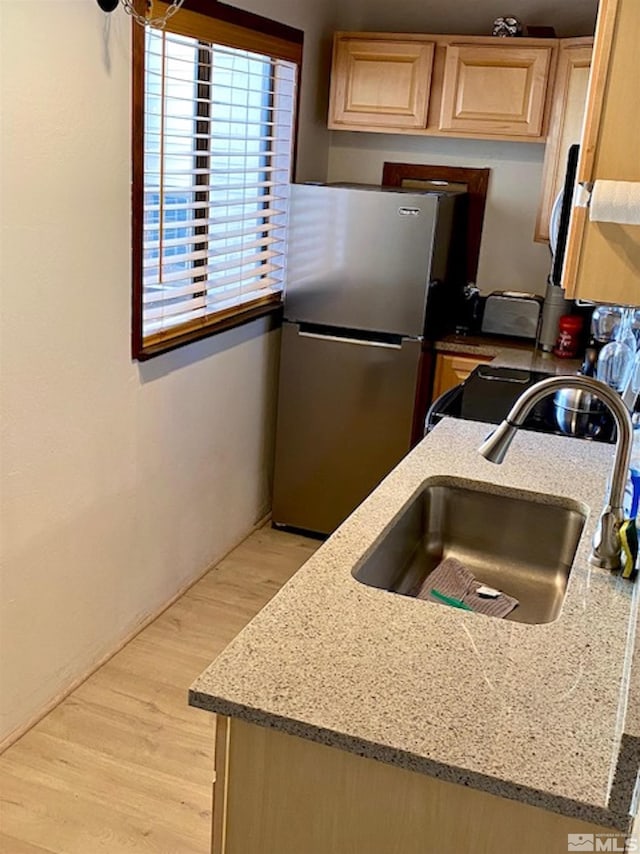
(124, 764)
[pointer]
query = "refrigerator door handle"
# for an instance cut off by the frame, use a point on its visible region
(366, 342)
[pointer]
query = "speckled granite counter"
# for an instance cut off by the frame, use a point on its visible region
(535, 713)
(507, 352)
(632, 726)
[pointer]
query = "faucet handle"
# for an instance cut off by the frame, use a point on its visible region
(607, 548)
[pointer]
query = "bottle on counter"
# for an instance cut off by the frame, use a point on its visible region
(555, 306)
(470, 311)
(570, 327)
(590, 361)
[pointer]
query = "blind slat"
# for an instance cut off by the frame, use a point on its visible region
(161, 295)
(192, 301)
(174, 101)
(206, 136)
(205, 312)
(216, 267)
(220, 281)
(248, 290)
(264, 227)
(195, 152)
(236, 121)
(223, 203)
(249, 171)
(203, 254)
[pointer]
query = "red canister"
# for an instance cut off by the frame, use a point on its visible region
(569, 329)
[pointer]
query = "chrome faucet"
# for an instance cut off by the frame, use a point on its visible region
(606, 547)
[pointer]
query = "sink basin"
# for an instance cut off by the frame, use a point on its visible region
(523, 546)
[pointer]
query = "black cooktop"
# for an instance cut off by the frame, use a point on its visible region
(489, 393)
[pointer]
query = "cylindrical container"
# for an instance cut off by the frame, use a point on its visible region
(569, 329)
(555, 305)
(580, 413)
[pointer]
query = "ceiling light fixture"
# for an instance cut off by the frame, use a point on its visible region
(159, 22)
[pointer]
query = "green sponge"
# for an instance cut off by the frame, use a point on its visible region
(629, 543)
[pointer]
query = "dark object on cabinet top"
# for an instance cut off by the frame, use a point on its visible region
(541, 32)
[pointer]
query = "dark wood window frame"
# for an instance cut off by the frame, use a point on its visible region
(477, 181)
(232, 21)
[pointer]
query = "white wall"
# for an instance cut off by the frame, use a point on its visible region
(119, 482)
(471, 17)
(509, 258)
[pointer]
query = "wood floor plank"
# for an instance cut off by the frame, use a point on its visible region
(148, 793)
(124, 765)
(11, 845)
(139, 695)
(77, 824)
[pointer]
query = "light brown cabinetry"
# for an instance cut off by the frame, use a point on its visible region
(495, 89)
(603, 258)
(276, 793)
(438, 85)
(568, 104)
(385, 83)
(452, 369)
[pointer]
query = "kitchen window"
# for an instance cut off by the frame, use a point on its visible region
(213, 147)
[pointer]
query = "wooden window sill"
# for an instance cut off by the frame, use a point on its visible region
(155, 345)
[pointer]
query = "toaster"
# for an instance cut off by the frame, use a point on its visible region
(512, 313)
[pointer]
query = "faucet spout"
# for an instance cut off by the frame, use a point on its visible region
(606, 542)
(495, 446)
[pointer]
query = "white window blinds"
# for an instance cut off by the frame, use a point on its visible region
(218, 139)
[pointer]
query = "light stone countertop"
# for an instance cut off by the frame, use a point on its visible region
(508, 353)
(632, 726)
(536, 713)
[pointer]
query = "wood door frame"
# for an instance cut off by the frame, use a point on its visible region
(477, 181)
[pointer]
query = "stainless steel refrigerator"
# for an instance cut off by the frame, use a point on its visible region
(370, 282)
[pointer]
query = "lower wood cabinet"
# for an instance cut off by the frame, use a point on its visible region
(279, 794)
(452, 369)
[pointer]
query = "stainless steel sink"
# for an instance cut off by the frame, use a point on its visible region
(522, 546)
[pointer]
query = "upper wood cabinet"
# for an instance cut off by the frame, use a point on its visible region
(476, 86)
(495, 89)
(602, 261)
(568, 104)
(385, 83)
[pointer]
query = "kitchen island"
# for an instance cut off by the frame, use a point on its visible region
(352, 719)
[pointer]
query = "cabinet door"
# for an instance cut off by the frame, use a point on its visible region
(380, 83)
(602, 261)
(451, 370)
(495, 89)
(565, 126)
